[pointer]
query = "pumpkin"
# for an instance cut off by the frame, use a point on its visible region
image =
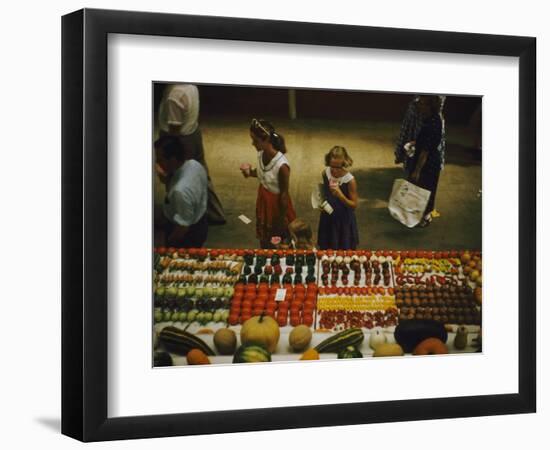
(197, 357)
(299, 338)
(431, 346)
(251, 353)
(349, 352)
(310, 355)
(388, 350)
(225, 341)
(376, 338)
(262, 330)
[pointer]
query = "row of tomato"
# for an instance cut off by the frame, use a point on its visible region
(296, 307)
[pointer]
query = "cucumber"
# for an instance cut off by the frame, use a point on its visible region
(352, 337)
(178, 341)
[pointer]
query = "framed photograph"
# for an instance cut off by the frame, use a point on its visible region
(252, 238)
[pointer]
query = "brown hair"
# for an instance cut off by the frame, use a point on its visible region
(264, 130)
(302, 232)
(433, 102)
(338, 152)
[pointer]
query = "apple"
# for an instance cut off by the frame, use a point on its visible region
(190, 290)
(199, 292)
(228, 292)
(158, 315)
(171, 292)
(474, 274)
(192, 315)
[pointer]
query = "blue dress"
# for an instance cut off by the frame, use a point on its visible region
(337, 231)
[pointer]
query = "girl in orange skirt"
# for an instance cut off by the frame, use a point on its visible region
(274, 209)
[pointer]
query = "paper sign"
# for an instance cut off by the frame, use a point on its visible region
(245, 219)
(280, 295)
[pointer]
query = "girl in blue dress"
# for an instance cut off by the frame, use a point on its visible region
(338, 230)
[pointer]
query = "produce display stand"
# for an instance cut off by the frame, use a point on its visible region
(200, 291)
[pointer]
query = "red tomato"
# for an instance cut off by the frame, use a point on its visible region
(246, 304)
(294, 320)
(281, 320)
(233, 319)
(245, 316)
(271, 304)
(308, 319)
(250, 288)
(309, 304)
(282, 311)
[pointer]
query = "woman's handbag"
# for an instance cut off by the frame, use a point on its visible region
(408, 202)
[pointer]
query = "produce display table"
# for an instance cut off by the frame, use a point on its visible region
(200, 291)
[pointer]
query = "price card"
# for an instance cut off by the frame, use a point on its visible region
(280, 295)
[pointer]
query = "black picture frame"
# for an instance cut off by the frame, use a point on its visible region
(84, 224)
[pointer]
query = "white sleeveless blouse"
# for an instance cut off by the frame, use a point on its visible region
(269, 174)
(341, 180)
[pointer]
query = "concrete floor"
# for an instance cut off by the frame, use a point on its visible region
(227, 145)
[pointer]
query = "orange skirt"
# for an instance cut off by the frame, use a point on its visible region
(268, 211)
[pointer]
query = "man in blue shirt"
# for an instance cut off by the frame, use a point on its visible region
(184, 208)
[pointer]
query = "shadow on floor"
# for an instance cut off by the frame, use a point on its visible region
(53, 423)
(376, 184)
(460, 155)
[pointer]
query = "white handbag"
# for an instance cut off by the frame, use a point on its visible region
(408, 202)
